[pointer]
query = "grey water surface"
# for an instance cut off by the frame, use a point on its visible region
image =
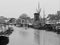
(20, 36)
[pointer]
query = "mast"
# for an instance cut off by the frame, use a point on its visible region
(44, 15)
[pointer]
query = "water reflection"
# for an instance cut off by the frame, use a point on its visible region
(37, 37)
(23, 34)
(22, 37)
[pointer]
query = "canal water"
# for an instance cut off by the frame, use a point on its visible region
(20, 36)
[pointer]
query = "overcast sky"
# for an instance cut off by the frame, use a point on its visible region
(14, 8)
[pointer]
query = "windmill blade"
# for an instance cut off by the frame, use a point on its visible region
(38, 9)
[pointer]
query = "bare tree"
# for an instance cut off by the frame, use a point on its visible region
(24, 19)
(53, 18)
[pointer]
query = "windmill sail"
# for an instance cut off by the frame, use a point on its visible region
(38, 9)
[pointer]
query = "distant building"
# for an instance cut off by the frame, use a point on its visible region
(11, 21)
(58, 12)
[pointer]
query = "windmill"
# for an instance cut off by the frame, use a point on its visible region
(36, 22)
(37, 14)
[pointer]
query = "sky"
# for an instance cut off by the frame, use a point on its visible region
(15, 8)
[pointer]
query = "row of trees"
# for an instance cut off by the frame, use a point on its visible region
(54, 17)
(24, 18)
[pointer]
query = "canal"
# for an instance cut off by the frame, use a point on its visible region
(20, 36)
